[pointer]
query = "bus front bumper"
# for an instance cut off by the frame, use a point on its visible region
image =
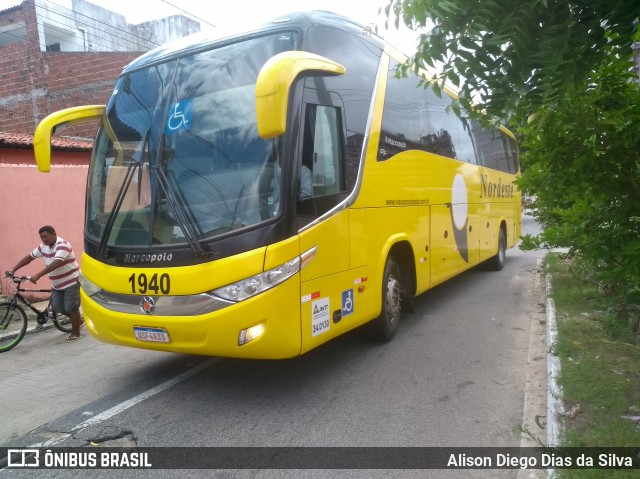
(268, 324)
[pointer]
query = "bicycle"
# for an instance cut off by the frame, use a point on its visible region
(13, 318)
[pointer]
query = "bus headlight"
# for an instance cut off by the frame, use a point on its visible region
(89, 288)
(253, 285)
(249, 287)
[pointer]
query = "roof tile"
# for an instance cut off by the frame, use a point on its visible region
(20, 140)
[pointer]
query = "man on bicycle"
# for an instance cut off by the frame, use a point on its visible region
(63, 271)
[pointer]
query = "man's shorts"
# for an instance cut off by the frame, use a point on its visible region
(66, 300)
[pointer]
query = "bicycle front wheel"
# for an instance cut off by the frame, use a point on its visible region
(13, 325)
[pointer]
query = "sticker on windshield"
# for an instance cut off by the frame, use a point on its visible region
(179, 116)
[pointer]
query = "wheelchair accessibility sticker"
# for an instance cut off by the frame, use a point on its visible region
(179, 116)
(347, 302)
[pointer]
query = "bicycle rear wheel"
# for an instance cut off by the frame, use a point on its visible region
(13, 325)
(59, 321)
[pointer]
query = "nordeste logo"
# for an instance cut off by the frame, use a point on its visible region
(460, 215)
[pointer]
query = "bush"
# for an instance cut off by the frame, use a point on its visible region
(582, 161)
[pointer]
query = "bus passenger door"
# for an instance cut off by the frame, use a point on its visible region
(328, 297)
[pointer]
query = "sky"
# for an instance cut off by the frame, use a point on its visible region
(239, 14)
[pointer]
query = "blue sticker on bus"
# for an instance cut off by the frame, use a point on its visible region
(347, 302)
(179, 116)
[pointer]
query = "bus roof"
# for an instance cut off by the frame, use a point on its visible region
(204, 41)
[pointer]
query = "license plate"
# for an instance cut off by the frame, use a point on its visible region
(153, 335)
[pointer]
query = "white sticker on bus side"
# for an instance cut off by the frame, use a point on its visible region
(320, 322)
(308, 297)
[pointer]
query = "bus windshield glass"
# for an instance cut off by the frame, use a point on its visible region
(178, 157)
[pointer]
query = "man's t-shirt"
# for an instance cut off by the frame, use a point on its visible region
(68, 272)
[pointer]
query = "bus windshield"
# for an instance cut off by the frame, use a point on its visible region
(178, 157)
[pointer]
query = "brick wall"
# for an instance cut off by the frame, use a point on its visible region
(75, 79)
(34, 84)
(18, 65)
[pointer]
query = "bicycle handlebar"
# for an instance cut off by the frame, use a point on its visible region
(18, 279)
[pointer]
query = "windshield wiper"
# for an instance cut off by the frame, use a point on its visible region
(106, 231)
(138, 157)
(183, 222)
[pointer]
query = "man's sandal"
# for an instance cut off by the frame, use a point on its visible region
(71, 338)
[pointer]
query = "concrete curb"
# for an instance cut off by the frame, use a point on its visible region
(45, 327)
(555, 407)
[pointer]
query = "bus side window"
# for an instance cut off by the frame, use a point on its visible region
(487, 145)
(320, 182)
(509, 161)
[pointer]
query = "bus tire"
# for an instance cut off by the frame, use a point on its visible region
(385, 326)
(497, 262)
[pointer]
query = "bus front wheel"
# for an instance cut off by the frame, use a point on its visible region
(385, 326)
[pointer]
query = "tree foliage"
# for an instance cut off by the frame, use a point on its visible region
(502, 52)
(582, 160)
(560, 72)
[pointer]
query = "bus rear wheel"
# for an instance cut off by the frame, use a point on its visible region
(385, 326)
(497, 262)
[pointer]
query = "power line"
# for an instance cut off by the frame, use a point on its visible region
(133, 48)
(129, 36)
(106, 32)
(67, 40)
(190, 14)
(90, 18)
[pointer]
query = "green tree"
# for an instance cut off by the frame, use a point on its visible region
(583, 163)
(502, 52)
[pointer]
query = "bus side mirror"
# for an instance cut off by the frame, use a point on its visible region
(274, 82)
(56, 122)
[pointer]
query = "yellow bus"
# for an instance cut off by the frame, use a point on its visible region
(259, 195)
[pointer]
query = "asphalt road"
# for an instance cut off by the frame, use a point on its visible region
(455, 375)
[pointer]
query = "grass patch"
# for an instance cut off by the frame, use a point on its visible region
(600, 366)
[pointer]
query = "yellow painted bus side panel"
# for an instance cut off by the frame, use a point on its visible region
(358, 238)
(279, 253)
(517, 214)
(333, 305)
(423, 250)
(453, 249)
(213, 333)
(332, 239)
(488, 233)
(466, 204)
(473, 234)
